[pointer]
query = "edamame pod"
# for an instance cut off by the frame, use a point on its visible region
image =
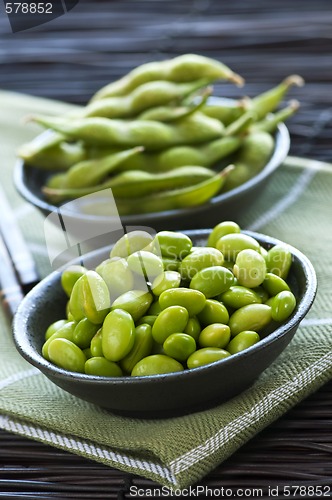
(152, 135)
(61, 156)
(184, 68)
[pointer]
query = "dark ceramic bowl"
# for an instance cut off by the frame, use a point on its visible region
(169, 394)
(29, 181)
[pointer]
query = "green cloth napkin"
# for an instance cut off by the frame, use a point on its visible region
(177, 452)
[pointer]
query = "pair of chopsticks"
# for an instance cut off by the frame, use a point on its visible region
(18, 272)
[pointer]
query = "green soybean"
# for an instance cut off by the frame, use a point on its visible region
(199, 259)
(212, 281)
(173, 319)
(66, 355)
(179, 346)
(213, 312)
(102, 367)
(117, 276)
(54, 327)
(193, 327)
(165, 281)
(84, 332)
(279, 261)
(90, 298)
(215, 335)
(242, 341)
(238, 296)
(131, 242)
(156, 364)
(69, 277)
(251, 317)
(232, 244)
(192, 300)
(142, 347)
(118, 335)
(249, 268)
(173, 244)
(274, 284)
(96, 347)
(206, 356)
(135, 302)
(225, 227)
(66, 331)
(283, 305)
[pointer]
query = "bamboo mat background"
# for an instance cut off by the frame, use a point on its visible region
(98, 41)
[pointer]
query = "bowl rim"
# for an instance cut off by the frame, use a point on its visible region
(281, 149)
(25, 349)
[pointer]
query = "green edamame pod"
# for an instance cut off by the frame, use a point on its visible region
(89, 173)
(66, 355)
(226, 110)
(156, 364)
(268, 101)
(251, 317)
(152, 135)
(184, 68)
(270, 123)
(118, 335)
(242, 341)
(189, 196)
(142, 347)
(61, 156)
(279, 261)
(147, 95)
(102, 367)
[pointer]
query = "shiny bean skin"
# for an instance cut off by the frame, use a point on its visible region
(102, 367)
(173, 319)
(117, 276)
(146, 264)
(135, 302)
(84, 332)
(279, 261)
(130, 243)
(242, 341)
(198, 259)
(54, 327)
(156, 364)
(165, 281)
(251, 317)
(215, 335)
(283, 304)
(173, 245)
(232, 244)
(96, 347)
(179, 346)
(212, 281)
(213, 312)
(192, 300)
(65, 332)
(67, 355)
(273, 284)
(193, 327)
(69, 277)
(206, 356)
(90, 298)
(239, 296)
(142, 347)
(249, 268)
(220, 230)
(118, 335)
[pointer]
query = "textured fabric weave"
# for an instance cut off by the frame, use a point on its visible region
(175, 452)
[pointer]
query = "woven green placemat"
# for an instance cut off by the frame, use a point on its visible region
(175, 452)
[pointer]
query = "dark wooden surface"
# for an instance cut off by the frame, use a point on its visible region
(264, 41)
